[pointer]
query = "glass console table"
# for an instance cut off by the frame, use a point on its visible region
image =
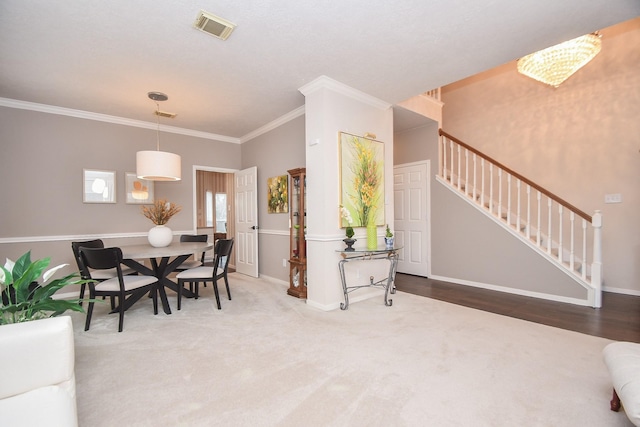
(387, 283)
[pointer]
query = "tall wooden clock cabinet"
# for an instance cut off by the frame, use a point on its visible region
(297, 232)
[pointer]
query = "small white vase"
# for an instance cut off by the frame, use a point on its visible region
(160, 236)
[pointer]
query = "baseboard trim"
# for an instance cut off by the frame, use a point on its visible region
(622, 291)
(522, 292)
(274, 280)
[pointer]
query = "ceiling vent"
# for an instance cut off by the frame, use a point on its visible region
(164, 114)
(214, 25)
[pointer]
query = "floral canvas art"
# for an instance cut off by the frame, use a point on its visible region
(277, 194)
(362, 180)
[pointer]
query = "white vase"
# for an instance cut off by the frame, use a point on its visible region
(160, 236)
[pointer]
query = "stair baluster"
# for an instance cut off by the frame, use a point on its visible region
(540, 235)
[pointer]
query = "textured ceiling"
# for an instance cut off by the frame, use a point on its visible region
(104, 56)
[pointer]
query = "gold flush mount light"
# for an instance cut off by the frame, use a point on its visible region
(557, 63)
(165, 114)
(214, 25)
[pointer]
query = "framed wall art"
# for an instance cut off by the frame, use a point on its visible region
(139, 191)
(98, 186)
(278, 194)
(361, 180)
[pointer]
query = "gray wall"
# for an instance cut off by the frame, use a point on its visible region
(274, 153)
(41, 165)
(580, 140)
(466, 246)
(469, 247)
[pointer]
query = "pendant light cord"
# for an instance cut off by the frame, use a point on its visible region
(158, 128)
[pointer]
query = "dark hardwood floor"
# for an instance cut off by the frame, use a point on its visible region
(618, 319)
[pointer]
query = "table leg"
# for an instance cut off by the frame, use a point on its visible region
(393, 260)
(389, 286)
(160, 272)
(343, 305)
(165, 268)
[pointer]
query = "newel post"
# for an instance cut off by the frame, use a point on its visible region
(596, 266)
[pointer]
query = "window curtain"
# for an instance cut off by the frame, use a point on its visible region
(231, 213)
(216, 182)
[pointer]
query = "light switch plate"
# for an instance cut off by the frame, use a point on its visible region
(613, 198)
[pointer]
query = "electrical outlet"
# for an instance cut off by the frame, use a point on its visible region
(613, 198)
(284, 262)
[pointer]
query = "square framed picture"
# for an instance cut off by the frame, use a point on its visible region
(98, 186)
(139, 191)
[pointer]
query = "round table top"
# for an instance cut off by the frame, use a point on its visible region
(174, 249)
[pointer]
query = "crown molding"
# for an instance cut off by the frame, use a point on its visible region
(274, 124)
(324, 82)
(87, 115)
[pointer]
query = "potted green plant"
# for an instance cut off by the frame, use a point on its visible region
(349, 232)
(388, 238)
(27, 296)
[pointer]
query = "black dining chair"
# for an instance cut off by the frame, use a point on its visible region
(98, 275)
(120, 286)
(192, 263)
(222, 255)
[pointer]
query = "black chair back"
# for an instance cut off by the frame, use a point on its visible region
(102, 258)
(194, 238)
(222, 251)
(75, 247)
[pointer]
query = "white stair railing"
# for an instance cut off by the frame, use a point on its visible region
(549, 224)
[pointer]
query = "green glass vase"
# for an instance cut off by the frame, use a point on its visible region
(372, 236)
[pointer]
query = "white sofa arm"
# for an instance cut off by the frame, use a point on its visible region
(38, 382)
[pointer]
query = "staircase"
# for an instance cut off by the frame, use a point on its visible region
(560, 232)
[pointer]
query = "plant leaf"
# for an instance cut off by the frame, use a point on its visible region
(47, 274)
(51, 288)
(58, 305)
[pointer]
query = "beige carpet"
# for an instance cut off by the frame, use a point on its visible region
(267, 359)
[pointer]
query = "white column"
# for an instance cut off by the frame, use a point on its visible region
(331, 107)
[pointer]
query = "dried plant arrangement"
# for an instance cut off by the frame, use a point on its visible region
(161, 211)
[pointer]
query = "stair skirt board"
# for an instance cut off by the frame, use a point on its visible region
(531, 242)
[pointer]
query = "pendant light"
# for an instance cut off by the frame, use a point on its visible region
(158, 165)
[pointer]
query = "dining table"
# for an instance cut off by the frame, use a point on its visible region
(163, 262)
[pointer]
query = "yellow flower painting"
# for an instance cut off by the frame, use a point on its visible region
(362, 180)
(277, 194)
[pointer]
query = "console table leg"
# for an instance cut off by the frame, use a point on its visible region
(343, 305)
(393, 260)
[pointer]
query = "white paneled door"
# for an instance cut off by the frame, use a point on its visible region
(246, 240)
(411, 226)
